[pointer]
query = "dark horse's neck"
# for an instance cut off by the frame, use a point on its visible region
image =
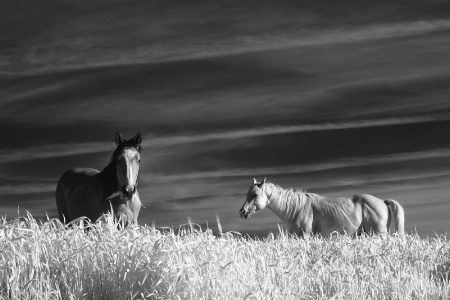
(109, 178)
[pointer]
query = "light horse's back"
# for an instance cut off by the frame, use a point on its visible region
(86, 192)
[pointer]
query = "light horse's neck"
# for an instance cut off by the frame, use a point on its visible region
(288, 205)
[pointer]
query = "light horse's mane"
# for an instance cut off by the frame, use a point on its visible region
(299, 197)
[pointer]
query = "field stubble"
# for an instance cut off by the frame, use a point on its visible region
(51, 261)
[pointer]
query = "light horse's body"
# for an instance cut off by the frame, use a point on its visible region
(85, 192)
(315, 214)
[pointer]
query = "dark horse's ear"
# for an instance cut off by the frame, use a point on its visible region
(138, 138)
(119, 138)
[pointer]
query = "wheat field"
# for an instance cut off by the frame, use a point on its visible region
(101, 261)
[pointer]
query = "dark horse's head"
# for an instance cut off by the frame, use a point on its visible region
(126, 158)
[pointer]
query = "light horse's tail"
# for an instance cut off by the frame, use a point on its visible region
(396, 213)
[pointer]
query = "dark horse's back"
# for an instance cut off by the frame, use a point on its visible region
(72, 190)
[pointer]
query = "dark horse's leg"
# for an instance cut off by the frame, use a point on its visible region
(61, 205)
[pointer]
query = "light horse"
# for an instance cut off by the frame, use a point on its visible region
(315, 214)
(91, 193)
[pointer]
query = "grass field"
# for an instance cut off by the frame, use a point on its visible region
(50, 261)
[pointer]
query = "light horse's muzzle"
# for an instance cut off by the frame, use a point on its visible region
(244, 212)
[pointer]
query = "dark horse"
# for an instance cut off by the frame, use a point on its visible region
(86, 192)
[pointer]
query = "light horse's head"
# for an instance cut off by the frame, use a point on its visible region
(127, 157)
(256, 199)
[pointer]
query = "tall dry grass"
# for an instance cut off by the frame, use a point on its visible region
(51, 261)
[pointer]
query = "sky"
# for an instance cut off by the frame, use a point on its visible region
(333, 97)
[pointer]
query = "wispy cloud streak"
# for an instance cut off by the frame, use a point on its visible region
(246, 44)
(45, 60)
(22, 189)
(305, 168)
(50, 151)
(273, 130)
(62, 150)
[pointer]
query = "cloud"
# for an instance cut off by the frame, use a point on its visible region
(62, 150)
(305, 168)
(22, 189)
(50, 151)
(41, 58)
(273, 130)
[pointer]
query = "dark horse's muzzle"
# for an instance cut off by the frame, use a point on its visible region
(128, 191)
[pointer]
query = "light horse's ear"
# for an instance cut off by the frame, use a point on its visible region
(261, 185)
(119, 138)
(138, 138)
